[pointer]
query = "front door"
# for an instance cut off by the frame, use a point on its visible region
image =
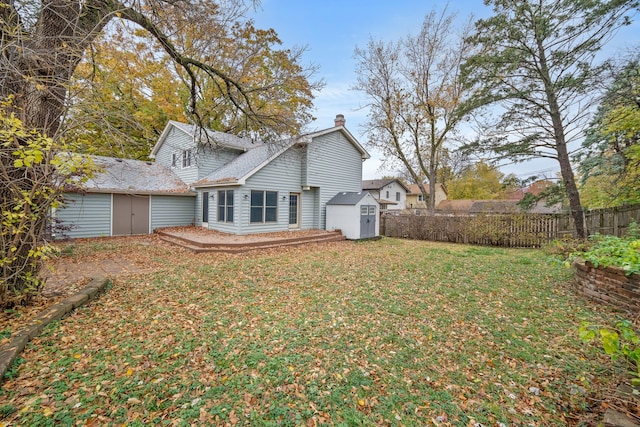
(294, 210)
(205, 209)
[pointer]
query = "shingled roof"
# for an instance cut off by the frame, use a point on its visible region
(245, 165)
(348, 198)
(133, 177)
(377, 184)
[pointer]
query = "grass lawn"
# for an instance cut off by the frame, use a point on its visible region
(389, 332)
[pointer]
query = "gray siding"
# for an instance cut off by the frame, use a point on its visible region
(171, 211)
(284, 175)
(210, 159)
(334, 165)
(213, 224)
(205, 159)
(88, 215)
(310, 208)
(176, 142)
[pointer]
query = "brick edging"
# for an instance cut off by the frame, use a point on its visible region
(608, 285)
(10, 351)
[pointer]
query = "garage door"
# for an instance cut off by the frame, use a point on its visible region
(130, 214)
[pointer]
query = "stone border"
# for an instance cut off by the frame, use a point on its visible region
(608, 285)
(19, 340)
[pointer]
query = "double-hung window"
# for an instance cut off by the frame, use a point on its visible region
(186, 158)
(264, 206)
(174, 160)
(225, 206)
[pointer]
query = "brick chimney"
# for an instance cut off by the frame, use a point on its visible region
(340, 121)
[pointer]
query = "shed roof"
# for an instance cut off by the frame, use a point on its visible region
(349, 198)
(133, 176)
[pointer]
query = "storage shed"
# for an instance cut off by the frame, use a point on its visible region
(356, 214)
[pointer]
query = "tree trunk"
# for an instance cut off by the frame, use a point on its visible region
(37, 74)
(568, 178)
(36, 66)
(432, 187)
(571, 189)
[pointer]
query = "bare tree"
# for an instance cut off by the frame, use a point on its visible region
(415, 95)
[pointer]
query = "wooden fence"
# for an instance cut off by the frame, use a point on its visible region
(508, 230)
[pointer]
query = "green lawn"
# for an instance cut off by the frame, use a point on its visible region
(389, 332)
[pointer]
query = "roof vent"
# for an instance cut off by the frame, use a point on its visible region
(149, 163)
(119, 160)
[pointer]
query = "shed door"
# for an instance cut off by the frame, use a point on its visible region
(367, 221)
(130, 214)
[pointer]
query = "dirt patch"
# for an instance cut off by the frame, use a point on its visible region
(79, 262)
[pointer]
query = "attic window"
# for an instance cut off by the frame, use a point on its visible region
(186, 158)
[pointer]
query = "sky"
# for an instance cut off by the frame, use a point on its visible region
(332, 29)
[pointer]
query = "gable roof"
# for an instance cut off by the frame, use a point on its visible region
(345, 132)
(133, 177)
(377, 184)
(414, 189)
(348, 198)
(479, 206)
(258, 156)
(237, 171)
(219, 139)
(243, 144)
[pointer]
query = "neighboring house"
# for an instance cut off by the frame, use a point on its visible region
(390, 193)
(234, 185)
(415, 199)
(465, 206)
(478, 206)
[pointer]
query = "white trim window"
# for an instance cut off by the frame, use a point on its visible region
(225, 205)
(264, 206)
(187, 158)
(174, 160)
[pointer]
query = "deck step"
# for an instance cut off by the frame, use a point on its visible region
(200, 247)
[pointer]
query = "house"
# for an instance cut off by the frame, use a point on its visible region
(465, 206)
(415, 199)
(355, 214)
(232, 184)
(390, 193)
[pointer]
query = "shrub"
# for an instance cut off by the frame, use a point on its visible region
(32, 178)
(621, 341)
(623, 252)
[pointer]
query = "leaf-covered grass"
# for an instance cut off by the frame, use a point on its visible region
(389, 332)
